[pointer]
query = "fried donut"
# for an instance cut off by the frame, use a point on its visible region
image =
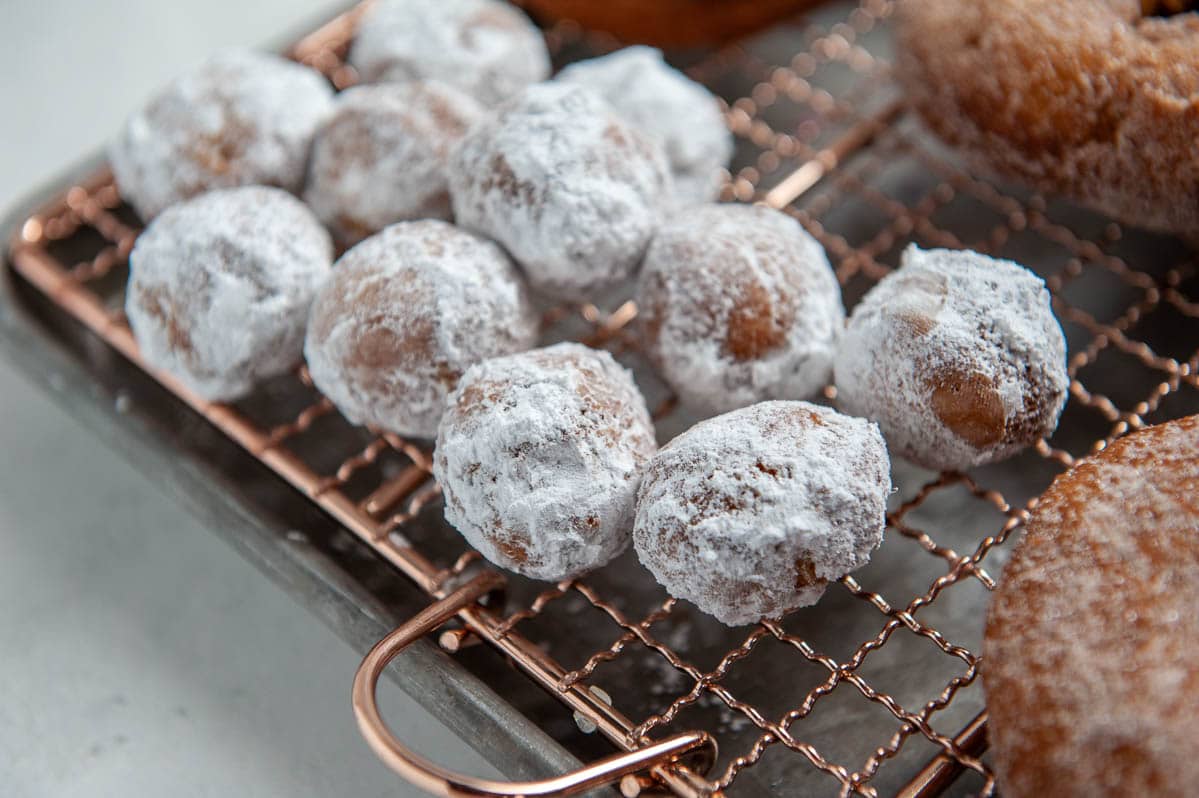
(220, 284)
(571, 190)
(540, 454)
(239, 118)
(380, 158)
(957, 356)
(1096, 100)
(404, 314)
(738, 304)
(1092, 641)
(485, 48)
(751, 514)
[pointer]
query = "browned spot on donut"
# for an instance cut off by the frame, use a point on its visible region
(474, 397)
(765, 469)
(586, 525)
(918, 324)
(968, 404)
(379, 348)
(444, 116)
(347, 139)
(756, 325)
(515, 548)
(810, 415)
(501, 178)
(791, 421)
(805, 575)
(219, 152)
(158, 304)
(612, 133)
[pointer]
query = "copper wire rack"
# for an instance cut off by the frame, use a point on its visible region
(873, 691)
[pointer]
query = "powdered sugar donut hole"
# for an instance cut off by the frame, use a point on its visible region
(665, 104)
(957, 356)
(381, 156)
(539, 455)
(751, 514)
(487, 49)
(404, 314)
(571, 190)
(220, 286)
(237, 119)
(737, 304)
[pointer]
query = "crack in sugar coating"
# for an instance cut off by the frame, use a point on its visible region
(404, 314)
(957, 356)
(1091, 661)
(739, 304)
(1085, 98)
(665, 104)
(570, 190)
(220, 285)
(381, 156)
(239, 118)
(539, 456)
(750, 514)
(484, 48)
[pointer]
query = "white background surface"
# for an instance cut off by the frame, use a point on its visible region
(138, 654)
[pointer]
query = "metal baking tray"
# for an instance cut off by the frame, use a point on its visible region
(875, 690)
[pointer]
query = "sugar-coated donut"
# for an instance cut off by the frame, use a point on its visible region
(237, 119)
(404, 314)
(1097, 100)
(220, 285)
(1091, 652)
(539, 455)
(486, 48)
(957, 356)
(572, 191)
(750, 514)
(737, 304)
(664, 103)
(380, 158)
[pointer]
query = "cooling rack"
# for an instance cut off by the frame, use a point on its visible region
(875, 690)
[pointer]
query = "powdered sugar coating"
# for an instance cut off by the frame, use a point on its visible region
(404, 314)
(1092, 99)
(1092, 641)
(737, 304)
(539, 455)
(662, 102)
(237, 119)
(381, 157)
(571, 191)
(750, 514)
(488, 49)
(957, 356)
(220, 286)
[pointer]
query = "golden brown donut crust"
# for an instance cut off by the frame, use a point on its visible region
(1090, 99)
(1091, 654)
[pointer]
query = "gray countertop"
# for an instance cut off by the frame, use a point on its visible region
(142, 655)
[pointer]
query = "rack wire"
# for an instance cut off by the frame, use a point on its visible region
(854, 695)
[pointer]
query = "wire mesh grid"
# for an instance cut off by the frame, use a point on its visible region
(849, 697)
